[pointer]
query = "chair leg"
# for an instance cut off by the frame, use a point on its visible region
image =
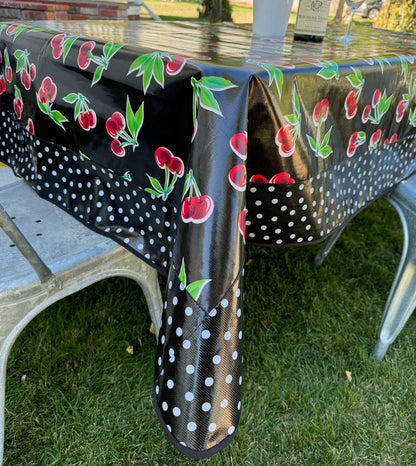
(147, 278)
(402, 298)
(151, 291)
(326, 247)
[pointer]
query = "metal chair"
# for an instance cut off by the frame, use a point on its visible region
(47, 255)
(402, 298)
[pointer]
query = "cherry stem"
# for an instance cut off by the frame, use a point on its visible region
(175, 176)
(127, 137)
(193, 185)
(165, 189)
(318, 134)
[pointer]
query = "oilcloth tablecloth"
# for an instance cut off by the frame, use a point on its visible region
(185, 141)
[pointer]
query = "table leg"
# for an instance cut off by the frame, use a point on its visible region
(402, 298)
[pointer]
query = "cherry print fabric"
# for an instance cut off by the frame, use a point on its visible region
(184, 151)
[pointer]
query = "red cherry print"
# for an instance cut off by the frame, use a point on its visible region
(238, 144)
(285, 140)
(366, 113)
(3, 84)
(117, 149)
(188, 208)
(30, 127)
(176, 166)
(350, 105)
(375, 138)
(284, 134)
(119, 119)
(258, 179)
(197, 210)
(57, 51)
(18, 107)
(238, 177)
(11, 28)
(115, 124)
(400, 110)
(282, 178)
(242, 223)
(83, 56)
(32, 72)
(9, 74)
(47, 91)
(203, 209)
(87, 120)
(376, 97)
(57, 40)
(320, 112)
(175, 66)
(352, 144)
(83, 120)
(24, 77)
(163, 156)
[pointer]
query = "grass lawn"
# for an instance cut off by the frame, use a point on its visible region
(76, 396)
(187, 11)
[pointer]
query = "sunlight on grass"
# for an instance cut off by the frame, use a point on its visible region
(187, 11)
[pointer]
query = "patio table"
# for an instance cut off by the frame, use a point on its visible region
(184, 142)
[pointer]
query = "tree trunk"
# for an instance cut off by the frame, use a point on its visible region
(216, 11)
(340, 10)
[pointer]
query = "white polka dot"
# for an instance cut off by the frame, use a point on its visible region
(227, 335)
(209, 381)
(164, 406)
(206, 407)
(170, 383)
(216, 359)
(235, 355)
(189, 396)
(224, 303)
(191, 426)
(229, 378)
(231, 430)
(224, 403)
(176, 411)
(179, 331)
(212, 427)
(212, 312)
(186, 344)
(205, 334)
(188, 311)
(190, 369)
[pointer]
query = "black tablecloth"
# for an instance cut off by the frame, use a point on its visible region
(183, 142)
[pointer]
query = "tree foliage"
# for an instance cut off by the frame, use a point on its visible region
(398, 15)
(216, 10)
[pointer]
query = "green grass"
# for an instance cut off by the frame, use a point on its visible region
(87, 401)
(187, 11)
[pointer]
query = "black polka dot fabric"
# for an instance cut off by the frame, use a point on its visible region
(184, 151)
(310, 210)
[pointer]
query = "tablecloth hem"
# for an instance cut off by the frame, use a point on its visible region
(191, 453)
